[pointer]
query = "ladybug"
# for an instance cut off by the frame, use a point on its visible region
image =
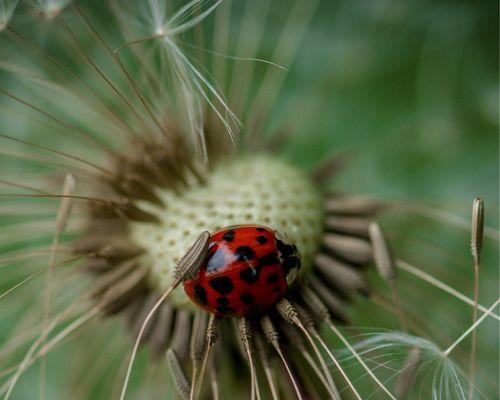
(248, 268)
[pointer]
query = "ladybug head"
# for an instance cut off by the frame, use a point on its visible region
(289, 257)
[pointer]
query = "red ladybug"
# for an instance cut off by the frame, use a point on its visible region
(248, 269)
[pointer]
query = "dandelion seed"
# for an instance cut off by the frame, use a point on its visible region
(477, 229)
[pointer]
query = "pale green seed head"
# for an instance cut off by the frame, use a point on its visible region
(246, 190)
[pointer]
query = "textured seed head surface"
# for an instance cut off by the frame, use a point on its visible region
(258, 190)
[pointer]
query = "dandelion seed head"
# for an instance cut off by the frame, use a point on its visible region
(448, 380)
(249, 190)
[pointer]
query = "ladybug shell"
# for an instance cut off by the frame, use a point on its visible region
(242, 274)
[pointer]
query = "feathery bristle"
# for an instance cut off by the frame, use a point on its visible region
(407, 376)
(181, 383)
(477, 229)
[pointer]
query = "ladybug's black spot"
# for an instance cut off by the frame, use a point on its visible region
(250, 275)
(228, 236)
(222, 301)
(286, 250)
(225, 310)
(216, 261)
(221, 284)
(289, 263)
(201, 294)
(244, 253)
(247, 298)
(261, 240)
(272, 278)
(269, 259)
(260, 229)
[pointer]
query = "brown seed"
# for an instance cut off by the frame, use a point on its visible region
(198, 336)
(306, 318)
(133, 310)
(287, 311)
(357, 251)
(126, 208)
(245, 330)
(90, 244)
(294, 337)
(119, 250)
(334, 303)
(270, 332)
(239, 342)
(162, 329)
(132, 185)
(213, 330)
(98, 265)
(110, 279)
(342, 276)
(314, 303)
(120, 294)
(297, 316)
(381, 254)
(181, 335)
(189, 264)
(180, 381)
(292, 334)
(265, 356)
(147, 304)
(356, 226)
(477, 229)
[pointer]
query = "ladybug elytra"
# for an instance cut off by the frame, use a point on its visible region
(247, 269)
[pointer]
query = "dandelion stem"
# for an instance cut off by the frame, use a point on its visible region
(29, 359)
(477, 229)
(339, 367)
(471, 328)
(214, 383)
(360, 360)
(290, 373)
(139, 337)
(187, 265)
(25, 280)
(331, 384)
(317, 371)
(61, 221)
(442, 216)
(472, 362)
(441, 285)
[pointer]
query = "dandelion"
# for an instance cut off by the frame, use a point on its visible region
(157, 242)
